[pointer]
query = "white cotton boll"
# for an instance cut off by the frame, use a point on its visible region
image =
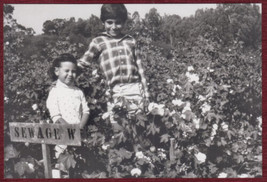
(94, 72)
(210, 70)
(192, 77)
(224, 126)
(152, 148)
(105, 146)
(156, 109)
(178, 86)
(205, 108)
(190, 68)
(136, 172)
(243, 176)
(211, 138)
(139, 155)
(159, 110)
(191, 147)
(260, 121)
(201, 157)
(213, 133)
(222, 175)
(187, 107)
(161, 149)
(107, 93)
(31, 166)
(196, 122)
(151, 106)
(172, 113)
(169, 80)
(148, 159)
(215, 126)
(162, 155)
(177, 102)
(34, 107)
(105, 115)
(201, 98)
(183, 116)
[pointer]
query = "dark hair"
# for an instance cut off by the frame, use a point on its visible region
(113, 11)
(57, 61)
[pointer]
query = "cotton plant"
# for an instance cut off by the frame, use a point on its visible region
(201, 157)
(156, 109)
(192, 77)
(136, 172)
(177, 102)
(190, 68)
(205, 108)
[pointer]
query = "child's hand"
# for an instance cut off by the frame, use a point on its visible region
(61, 121)
(81, 126)
(146, 103)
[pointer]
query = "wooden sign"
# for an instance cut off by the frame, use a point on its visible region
(45, 133)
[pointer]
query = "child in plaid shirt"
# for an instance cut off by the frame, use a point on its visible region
(118, 58)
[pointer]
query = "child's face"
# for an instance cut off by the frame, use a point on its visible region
(113, 27)
(66, 72)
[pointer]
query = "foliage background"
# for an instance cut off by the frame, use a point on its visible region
(204, 74)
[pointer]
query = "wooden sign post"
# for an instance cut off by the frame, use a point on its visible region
(44, 134)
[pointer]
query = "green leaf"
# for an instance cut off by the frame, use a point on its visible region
(20, 168)
(95, 175)
(141, 120)
(230, 134)
(188, 87)
(10, 152)
(152, 129)
(125, 153)
(203, 126)
(212, 168)
(189, 115)
(164, 138)
(208, 142)
(67, 160)
(121, 137)
(211, 89)
(223, 141)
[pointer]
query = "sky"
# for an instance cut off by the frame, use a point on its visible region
(34, 15)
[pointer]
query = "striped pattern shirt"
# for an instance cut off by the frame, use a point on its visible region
(118, 59)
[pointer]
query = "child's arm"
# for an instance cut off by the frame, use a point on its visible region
(142, 75)
(85, 110)
(89, 55)
(84, 120)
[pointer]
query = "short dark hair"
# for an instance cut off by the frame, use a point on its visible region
(113, 11)
(65, 57)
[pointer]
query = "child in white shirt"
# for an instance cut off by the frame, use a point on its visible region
(66, 102)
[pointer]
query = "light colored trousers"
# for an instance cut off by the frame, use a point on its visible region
(132, 93)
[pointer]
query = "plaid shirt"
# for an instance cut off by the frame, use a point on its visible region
(118, 60)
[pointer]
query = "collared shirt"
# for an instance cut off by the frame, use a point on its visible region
(118, 59)
(67, 102)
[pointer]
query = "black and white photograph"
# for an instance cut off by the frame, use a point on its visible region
(132, 90)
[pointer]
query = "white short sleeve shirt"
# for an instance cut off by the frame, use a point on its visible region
(67, 102)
